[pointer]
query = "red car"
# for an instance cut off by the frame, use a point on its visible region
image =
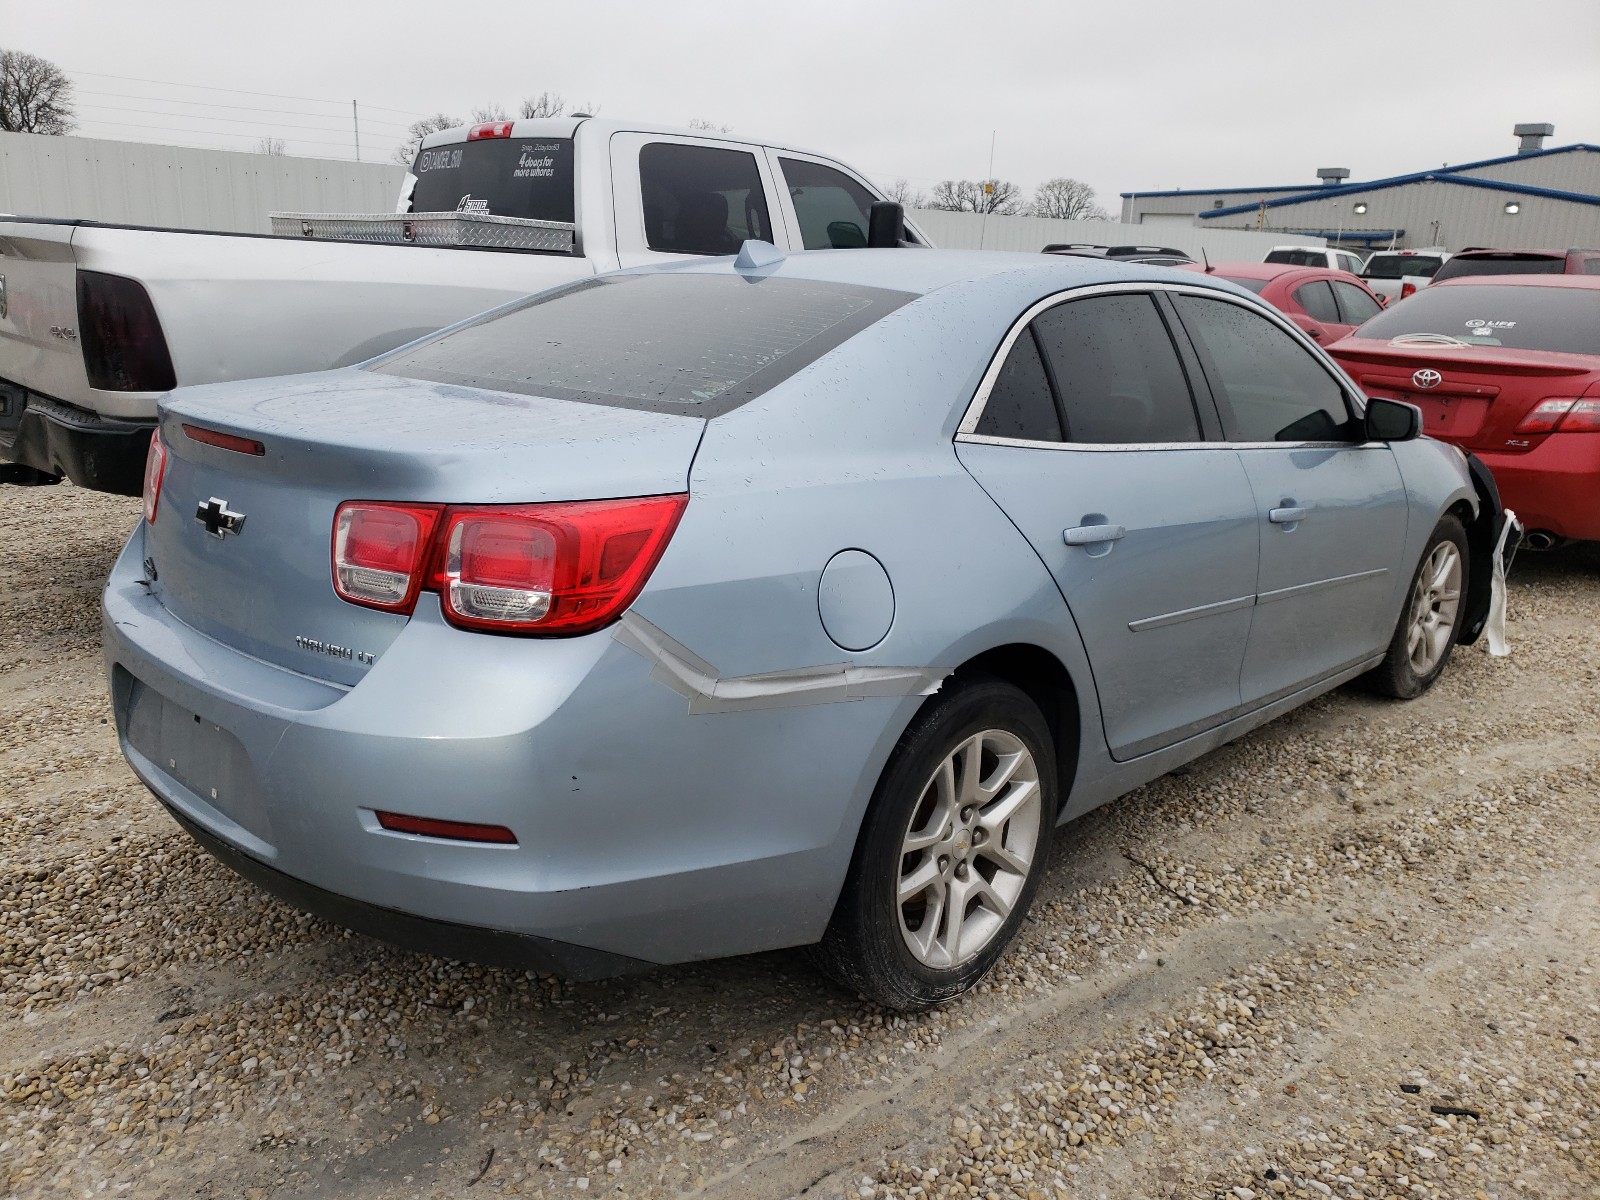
(1327, 304)
(1508, 367)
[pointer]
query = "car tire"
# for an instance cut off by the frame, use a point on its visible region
(964, 812)
(1429, 622)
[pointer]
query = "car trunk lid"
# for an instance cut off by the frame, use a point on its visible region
(1472, 395)
(241, 544)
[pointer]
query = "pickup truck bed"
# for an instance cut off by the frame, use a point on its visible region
(98, 320)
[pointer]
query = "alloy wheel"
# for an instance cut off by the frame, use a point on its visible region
(1434, 601)
(968, 848)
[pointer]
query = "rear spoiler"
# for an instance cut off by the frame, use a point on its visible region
(480, 231)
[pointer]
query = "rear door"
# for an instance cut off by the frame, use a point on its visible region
(1331, 508)
(675, 197)
(1087, 434)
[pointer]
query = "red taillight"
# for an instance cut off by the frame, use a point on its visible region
(526, 568)
(380, 552)
(489, 129)
(1562, 415)
(124, 349)
(455, 831)
(155, 466)
(1407, 289)
(551, 568)
(224, 441)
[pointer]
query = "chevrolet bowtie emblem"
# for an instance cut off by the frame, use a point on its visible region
(219, 522)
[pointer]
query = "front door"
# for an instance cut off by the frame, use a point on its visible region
(1089, 440)
(1331, 509)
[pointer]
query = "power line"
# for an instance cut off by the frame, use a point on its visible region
(293, 112)
(163, 112)
(209, 132)
(206, 87)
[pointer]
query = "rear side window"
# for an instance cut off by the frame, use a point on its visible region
(1117, 372)
(675, 342)
(701, 199)
(503, 177)
(833, 209)
(1355, 306)
(1316, 298)
(1502, 264)
(1269, 387)
(1020, 404)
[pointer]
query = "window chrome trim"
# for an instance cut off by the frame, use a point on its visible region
(967, 430)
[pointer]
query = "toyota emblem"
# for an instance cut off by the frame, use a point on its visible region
(1426, 379)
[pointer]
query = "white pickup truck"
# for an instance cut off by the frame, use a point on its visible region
(97, 321)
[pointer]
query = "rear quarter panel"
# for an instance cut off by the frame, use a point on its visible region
(40, 276)
(856, 452)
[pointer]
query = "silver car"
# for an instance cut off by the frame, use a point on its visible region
(764, 602)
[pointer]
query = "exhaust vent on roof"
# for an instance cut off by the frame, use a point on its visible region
(1331, 176)
(1532, 136)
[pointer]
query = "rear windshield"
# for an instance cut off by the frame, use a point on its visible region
(1503, 264)
(1526, 318)
(1254, 285)
(671, 343)
(1397, 266)
(1298, 258)
(502, 177)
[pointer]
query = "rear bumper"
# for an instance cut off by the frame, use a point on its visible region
(95, 452)
(644, 833)
(448, 939)
(1555, 486)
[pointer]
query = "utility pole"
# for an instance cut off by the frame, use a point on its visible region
(988, 190)
(355, 116)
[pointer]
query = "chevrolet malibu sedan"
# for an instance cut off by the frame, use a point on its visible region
(763, 602)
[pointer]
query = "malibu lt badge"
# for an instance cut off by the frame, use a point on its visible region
(217, 519)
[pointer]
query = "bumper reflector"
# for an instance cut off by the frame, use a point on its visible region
(455, 831)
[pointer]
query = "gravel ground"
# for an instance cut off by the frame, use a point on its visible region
(1351, 955)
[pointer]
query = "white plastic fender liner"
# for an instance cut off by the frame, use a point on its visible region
(1495, 627)
(686, 673)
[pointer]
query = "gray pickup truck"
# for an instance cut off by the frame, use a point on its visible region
(97, 320)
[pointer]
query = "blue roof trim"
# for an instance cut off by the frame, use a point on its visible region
(1356, 189)
(1324, 188)
(1227, 191)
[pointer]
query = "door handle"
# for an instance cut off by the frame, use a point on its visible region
(1092, 535)
(1286, 515)
(1316, 333)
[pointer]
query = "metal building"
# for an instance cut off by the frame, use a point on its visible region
(1534, 199)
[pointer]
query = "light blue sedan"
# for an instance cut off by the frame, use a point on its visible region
(764, 602)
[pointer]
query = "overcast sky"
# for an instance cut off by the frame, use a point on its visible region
(1130, 95)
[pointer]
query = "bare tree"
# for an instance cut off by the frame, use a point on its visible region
(978, 195)
(489, 112)
(545, 104)
(908, 197)
(706, 126)
(406, 152)
(1070, 199)
(271, 145)
(35, 96)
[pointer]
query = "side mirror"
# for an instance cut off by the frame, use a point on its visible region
(886, 225)
(1392, 420)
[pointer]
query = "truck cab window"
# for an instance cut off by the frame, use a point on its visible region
(701, 199)
(833, 209)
